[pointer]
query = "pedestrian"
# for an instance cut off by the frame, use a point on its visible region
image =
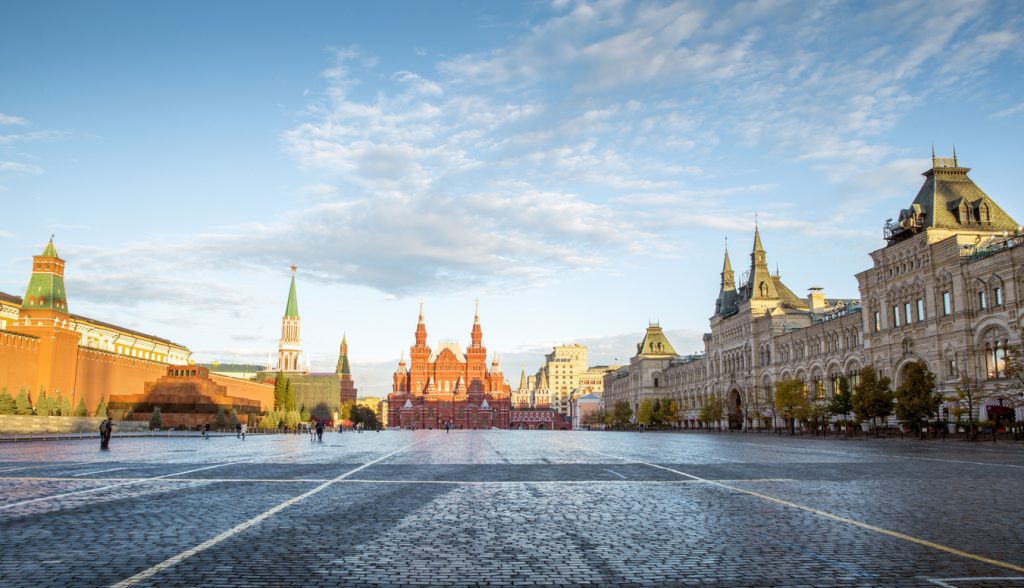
(447, 427)
(206, 430)
(243, 427)
(320, 431)
(105, 429)
(238, 430)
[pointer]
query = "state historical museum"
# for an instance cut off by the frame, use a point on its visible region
(457, 387)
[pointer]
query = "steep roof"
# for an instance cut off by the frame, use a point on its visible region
(50, 250)
(292, 308)
(949, 199)
(655, 344)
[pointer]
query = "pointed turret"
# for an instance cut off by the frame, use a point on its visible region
(289, 349)
(726, 303)
(522, 380)
(760, 286)
(343, 367)
(421, 329)
(292, 308)
(46, 286)
(477, 335)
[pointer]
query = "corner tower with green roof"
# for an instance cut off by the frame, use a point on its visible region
(289, 349)
(46, 286)
(348, 386)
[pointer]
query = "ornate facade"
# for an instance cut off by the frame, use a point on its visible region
(945, 290)
(452, 386)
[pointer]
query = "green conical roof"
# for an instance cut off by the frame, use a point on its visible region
(343, 367)
(46, 286)
(50, 250)
(292, 310)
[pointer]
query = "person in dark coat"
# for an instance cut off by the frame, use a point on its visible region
(320, 430)
(106, 428)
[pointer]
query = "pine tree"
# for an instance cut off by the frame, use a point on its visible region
(156, 420)
(221, 421)
(101, 409)
(279, 391)
(23, 405)
(65, 405)
(81, 410)
(129, 414)
(42, 403)
(233, 418)
(304, 414)
(57, 405)
(7, 404)
(289, 397)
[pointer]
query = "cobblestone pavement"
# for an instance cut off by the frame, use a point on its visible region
(511, 508)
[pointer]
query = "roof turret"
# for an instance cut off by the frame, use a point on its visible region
(292, 308)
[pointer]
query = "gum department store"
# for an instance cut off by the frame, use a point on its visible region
(944, 290)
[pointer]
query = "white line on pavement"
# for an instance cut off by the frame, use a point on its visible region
(449, 482)
(945, 582)
(98, 472)
(828, 515)
(869, 456)
(616, 473)
(140, 480)
(172, 561)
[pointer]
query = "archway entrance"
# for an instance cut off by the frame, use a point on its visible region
(735, 408)
(543, 427)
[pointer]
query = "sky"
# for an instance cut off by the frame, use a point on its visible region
(575, 166)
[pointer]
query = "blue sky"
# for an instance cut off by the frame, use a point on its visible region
(573, 165)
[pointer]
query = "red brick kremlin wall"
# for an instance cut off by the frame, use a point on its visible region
(19, 356)
(102, 373)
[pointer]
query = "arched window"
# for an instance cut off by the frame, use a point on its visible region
(995, 341)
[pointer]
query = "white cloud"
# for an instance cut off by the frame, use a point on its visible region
(1011, 111)
(7, 119)
(23, 168)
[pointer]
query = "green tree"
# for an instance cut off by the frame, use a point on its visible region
(279, 391)
(916, 398)
(365, 415)
(622, 413)
(65, 405)
(156, 420)
(42, 403)
(304, 414)
(57, 405)
(129, 414)
(670, 413)
(790, 402)
(221, 420)
(968, 397)
(7, 404)
(289, 397)
(840, 403)
(346, 410)
(712, 410)
(291, 419)
(23, 405)
(322, 411)
(645, 414)
(81, 410)
(658, 412)
(872, 397)
(101, 408)
(232, 418)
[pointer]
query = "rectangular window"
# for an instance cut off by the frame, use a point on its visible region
(950, 368)
(920, 309)
(995, 361)
(878, 321)
(906, 314)
(982, 303)
(895, 316)
(947, 304)
(998, 295)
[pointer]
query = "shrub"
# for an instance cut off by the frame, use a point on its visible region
(81, 410)
(7, 405)
(22, 404)
(155, 420)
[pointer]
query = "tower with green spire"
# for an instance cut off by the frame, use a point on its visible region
(344, 371)
(289, 349)
(46, 286)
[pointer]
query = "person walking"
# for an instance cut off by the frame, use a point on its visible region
(320, 431)
(105, 429)
(447, 427)
(243, 427)
(238, 430)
